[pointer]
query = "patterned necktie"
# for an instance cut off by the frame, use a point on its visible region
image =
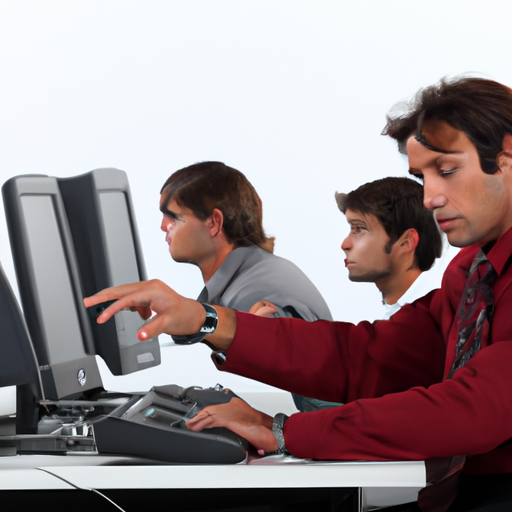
(474, 317)
(475, 313)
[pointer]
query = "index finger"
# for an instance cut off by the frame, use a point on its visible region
(121, 297)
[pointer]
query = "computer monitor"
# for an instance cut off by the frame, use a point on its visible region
(108, 250)
(49, 286)
(71, 238)
(18, 363)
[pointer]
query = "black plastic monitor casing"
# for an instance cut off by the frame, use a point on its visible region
(101, 217)
(18, 363)
(70, 238)
(49, 286)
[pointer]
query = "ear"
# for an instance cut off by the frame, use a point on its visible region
(409, 240)
(504, 159)
(215, 222)
(507, 143)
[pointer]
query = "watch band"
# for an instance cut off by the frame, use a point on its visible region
(277, 430)
(210, 324)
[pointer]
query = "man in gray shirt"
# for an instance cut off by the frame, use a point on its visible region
(213, 219)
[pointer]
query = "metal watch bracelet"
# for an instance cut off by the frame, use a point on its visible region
(277, 429)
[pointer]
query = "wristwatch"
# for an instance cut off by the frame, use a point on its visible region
(210, 324)
(277, 430)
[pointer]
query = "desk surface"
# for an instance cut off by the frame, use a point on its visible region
(86, 470)
(103, 472)
(92, 471)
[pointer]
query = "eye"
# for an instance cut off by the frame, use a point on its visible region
(447, 172)
(356, 230)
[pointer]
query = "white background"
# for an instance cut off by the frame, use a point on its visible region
(292, 93)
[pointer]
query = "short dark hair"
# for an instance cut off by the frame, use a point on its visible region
(398, 205)
(480, 108)
(204, 186)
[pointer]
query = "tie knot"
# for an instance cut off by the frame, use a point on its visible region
(481, 269)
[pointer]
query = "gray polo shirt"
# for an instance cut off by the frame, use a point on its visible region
(250, 274)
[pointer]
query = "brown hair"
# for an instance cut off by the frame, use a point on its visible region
(204, 186)
(398, 205)
(480, 108)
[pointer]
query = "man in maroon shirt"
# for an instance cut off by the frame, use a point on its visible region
(405, 397)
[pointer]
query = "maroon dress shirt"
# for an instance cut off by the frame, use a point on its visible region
(392, 377)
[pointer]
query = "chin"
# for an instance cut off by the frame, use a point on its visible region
(176, 257)
(357, 279)
(464, 241)
(180, 258)
(371, 276)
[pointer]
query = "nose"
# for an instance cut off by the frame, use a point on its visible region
(346, 244)
(165, 225)
(433, 197)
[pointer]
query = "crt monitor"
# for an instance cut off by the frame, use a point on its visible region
(101, 217)
(49, 286)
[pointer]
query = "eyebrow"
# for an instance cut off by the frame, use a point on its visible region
(169, 213)
(421, 139)
(358, 222)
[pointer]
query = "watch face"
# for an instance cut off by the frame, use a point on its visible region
(209, 325)
(210, 322)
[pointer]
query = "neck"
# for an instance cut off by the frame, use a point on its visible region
(392, 288)
(209, 267)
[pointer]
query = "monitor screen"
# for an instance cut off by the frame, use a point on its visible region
(120, 243)
(52, 282)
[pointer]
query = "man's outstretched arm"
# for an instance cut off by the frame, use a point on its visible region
(165, 311)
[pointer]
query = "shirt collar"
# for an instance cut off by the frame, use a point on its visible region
(501, 251)
(224, 274)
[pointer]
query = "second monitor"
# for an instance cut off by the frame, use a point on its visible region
(101, 218)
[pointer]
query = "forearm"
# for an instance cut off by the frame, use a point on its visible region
(336, 361)
(468, 414)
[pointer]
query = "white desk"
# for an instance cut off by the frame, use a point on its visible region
(29, 473)
(105, 472)
(88, 471)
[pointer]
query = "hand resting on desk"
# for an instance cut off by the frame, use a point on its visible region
(240, 418)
